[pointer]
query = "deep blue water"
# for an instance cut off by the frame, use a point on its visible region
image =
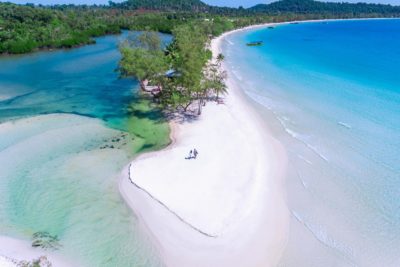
(333, 91)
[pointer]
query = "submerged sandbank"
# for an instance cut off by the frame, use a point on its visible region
(227, 206)
(46, 185)
(13, 251)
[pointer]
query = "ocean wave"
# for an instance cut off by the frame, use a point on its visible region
(260, 99)
(316, 151)
(305, 185)
(293, 134)
(345, 125)
(300, 137)
(229, 42)
(286, 123)
(237, 75)
(286, 118)
(321, 234)
(304, 159)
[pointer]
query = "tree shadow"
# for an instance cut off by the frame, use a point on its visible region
(181, 116)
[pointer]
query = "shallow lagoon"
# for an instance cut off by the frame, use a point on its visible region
(69, 125)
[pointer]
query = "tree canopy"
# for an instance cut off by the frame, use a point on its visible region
(143, 57)
(192, 79)
(165, 5)
(24, 28)
(316, 7)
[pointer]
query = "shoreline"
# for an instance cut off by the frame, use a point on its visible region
(223, 198)
(269, 24)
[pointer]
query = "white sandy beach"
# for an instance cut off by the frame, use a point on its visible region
(225, 208)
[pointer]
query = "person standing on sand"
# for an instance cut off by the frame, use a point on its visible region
(190, 155)
(195, 153)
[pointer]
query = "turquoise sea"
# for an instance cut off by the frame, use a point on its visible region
(331, 94)
(68, 126)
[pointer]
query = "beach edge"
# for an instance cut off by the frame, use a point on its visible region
(149, 211)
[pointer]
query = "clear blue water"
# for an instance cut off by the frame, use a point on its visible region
(83, 81)
(68, 125)
(331, 92)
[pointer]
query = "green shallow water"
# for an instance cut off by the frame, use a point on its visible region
(68, 127)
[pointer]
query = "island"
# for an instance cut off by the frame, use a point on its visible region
(145, 133)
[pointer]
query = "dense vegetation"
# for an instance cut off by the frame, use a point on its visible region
(180, 75)
(280, 7)
(169, 5)
(327, 9)
(24, 28)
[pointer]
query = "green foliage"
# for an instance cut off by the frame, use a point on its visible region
(316, 7)
(154, 21)
(20, 46)
(190, 54)
(141, 63)
(149, 41)
(142, 57)
(26, 28)
(165, 5)
(219, 25)
(192, 79)
(215, 78)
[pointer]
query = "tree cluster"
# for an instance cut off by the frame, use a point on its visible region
(25, 28)
(165, 5)
(179, 76)
(317, 7)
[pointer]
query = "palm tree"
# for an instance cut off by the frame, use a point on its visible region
(220, 58)
(215, 79)
(220, 86)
